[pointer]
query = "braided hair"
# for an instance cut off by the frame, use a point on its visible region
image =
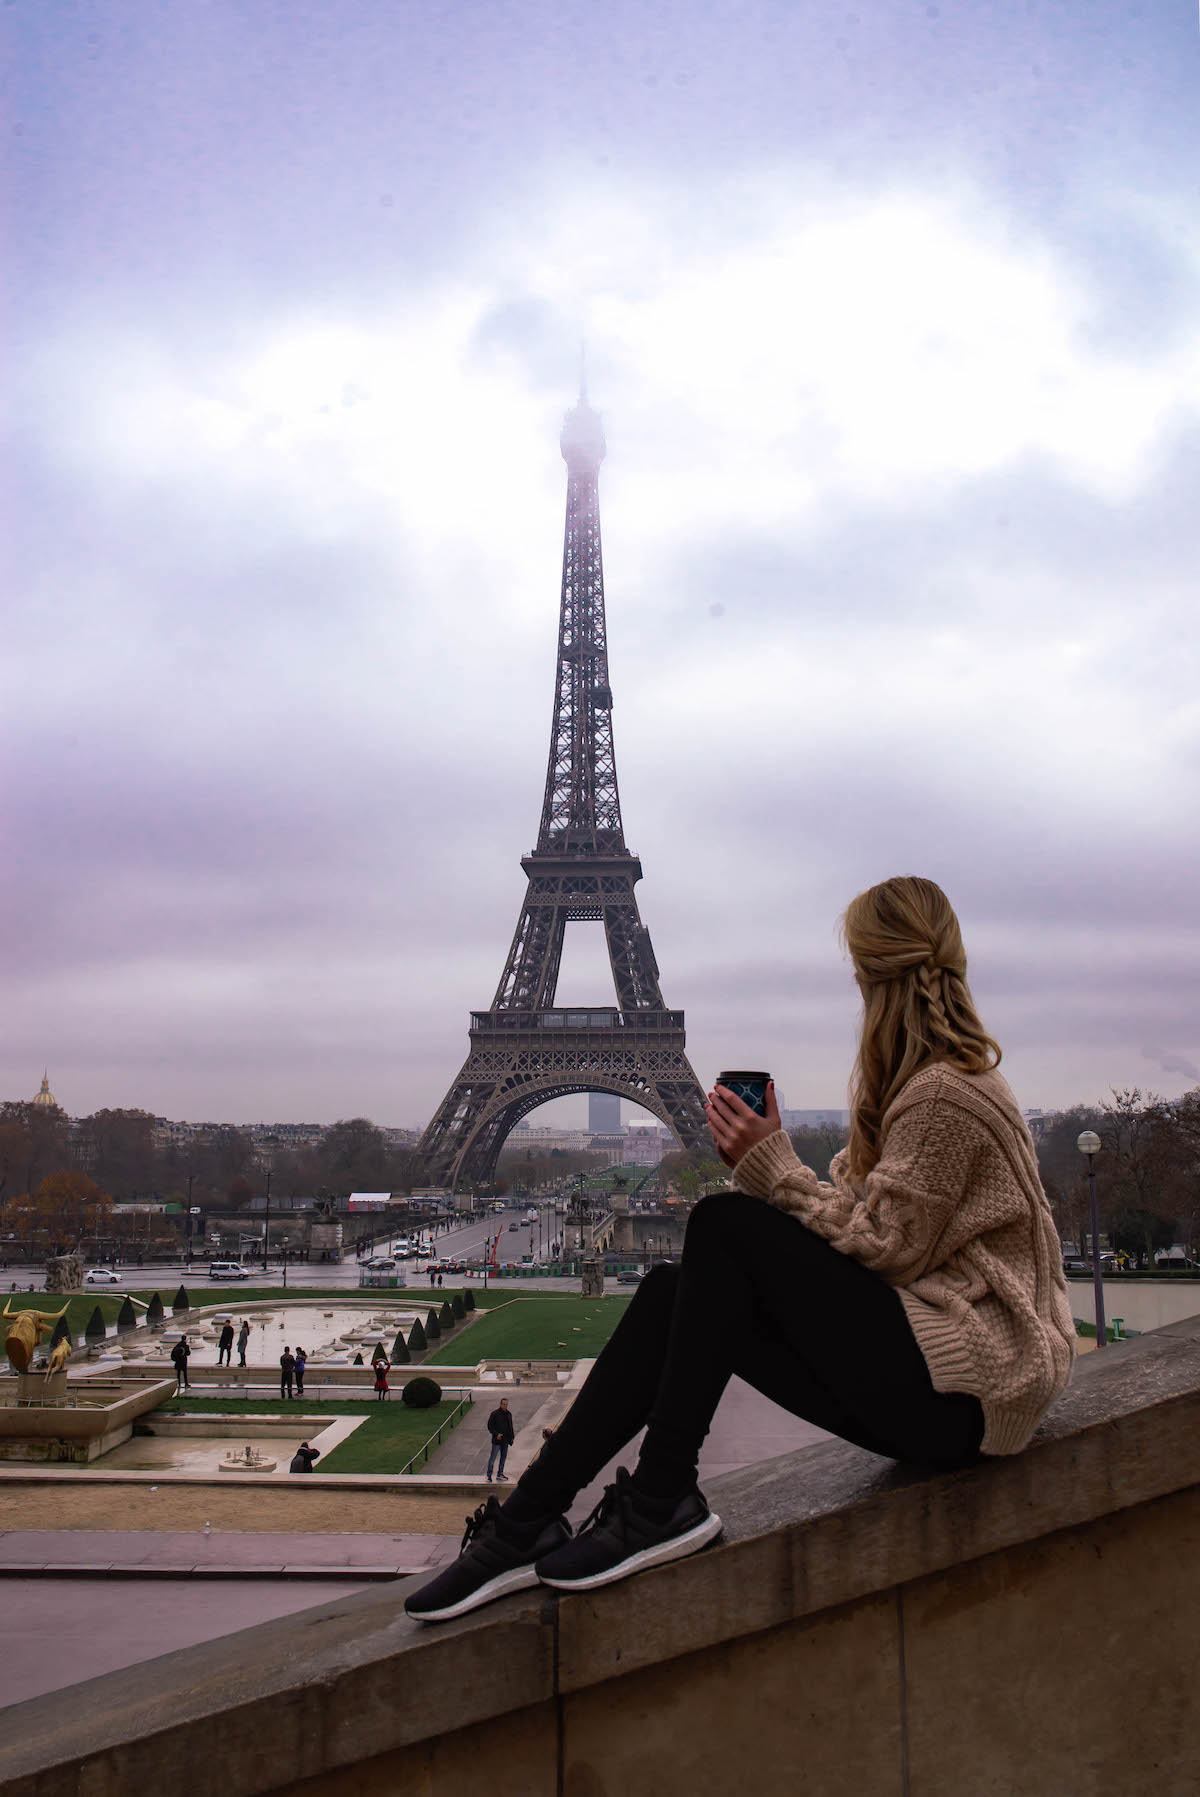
(904, 940)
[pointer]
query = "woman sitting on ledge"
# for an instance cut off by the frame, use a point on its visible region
(914, 1304)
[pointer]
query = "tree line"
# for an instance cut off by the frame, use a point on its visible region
(58, 1178)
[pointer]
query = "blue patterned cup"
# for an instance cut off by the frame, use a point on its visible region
(751, 1088)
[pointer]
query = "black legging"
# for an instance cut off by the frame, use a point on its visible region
(759, 1295)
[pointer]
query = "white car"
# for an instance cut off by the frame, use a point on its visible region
(101, 1276)
(228, 1269)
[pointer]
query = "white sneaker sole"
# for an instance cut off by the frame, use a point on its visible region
(678, 1548)
(519, 1579)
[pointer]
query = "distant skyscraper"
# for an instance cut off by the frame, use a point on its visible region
(604, 1113)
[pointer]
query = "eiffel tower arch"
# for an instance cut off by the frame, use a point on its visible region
(526, 1050)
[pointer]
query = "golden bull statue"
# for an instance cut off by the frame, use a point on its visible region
(25, 1331)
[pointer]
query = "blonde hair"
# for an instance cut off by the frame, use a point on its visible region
(911, 967)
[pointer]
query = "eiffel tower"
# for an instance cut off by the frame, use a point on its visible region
(525, 1050)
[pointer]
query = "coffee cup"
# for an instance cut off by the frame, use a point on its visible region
(751, 1088)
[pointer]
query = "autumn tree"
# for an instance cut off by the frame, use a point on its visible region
(69, 1206)
(119, 1150)
(35, 1140)
(817, 1143)
(353, 1156)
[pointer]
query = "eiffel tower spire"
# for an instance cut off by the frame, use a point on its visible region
(582, 808)
(525, 1051)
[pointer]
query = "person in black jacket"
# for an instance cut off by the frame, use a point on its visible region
(287, 1372)
(179, 1358)
(225, 1345)
(243, 1338)
(303, 1458)
(500, 1428)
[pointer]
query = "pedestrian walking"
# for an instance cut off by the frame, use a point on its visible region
(432, 1277)
(225, 1344)
(243, 1338)
(301, 1363)
(440, 1282)
(500, 1428)
(287, 1372)
(381, 1378)
(303, 1458)
(913, 1303)
(179, 1356)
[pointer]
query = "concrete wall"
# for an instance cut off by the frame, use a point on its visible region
(1142, 1303)
(1025, 1625)
(1065, 1665)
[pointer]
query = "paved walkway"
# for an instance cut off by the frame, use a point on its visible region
(111, 1553)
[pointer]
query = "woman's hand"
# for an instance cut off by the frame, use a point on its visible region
(734, 1127)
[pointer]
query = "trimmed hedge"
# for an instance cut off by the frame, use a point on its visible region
(416, 1338)
(400, 1353)
(468, 1300)
(126, 1318)
(96, 1328)
(433, 1327)
(446, 1315)
(421, 1392)
(181, 1301)
(458, 1307)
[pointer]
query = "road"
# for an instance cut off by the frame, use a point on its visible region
(467, 1241)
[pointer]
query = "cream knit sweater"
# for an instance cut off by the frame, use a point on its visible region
(954, 1216)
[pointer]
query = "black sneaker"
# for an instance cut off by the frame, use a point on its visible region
(627, 1532)
(496, 1557)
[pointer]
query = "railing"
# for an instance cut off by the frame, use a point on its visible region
(435, 1441)
(577, 1020)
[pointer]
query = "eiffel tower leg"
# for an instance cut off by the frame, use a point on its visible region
(508, 1074)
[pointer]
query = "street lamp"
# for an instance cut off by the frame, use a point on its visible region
(1088, 1145)
(285, 1243)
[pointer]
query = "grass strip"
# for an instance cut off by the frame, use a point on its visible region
(536, 1328)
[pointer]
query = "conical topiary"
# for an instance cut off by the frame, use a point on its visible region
(62, 1332)
(416, 1339)
(96, 1329)
(400, 1353)
(126, 1318)
(181, 1301)
(379, 1352)
(446, 1315)
(432, 1326)
(458, 1307)
(468, 1300)
(154, 1312)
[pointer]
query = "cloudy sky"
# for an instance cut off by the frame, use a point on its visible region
(892, 316)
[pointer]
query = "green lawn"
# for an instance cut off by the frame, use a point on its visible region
(535, 1328)
(389, 1437)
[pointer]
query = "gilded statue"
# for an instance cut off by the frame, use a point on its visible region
(25, 1331)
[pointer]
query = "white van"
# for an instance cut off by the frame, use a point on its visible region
(228, 1269)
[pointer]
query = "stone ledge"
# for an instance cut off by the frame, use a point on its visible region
(805, 1534)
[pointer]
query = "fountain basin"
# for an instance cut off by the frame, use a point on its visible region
(97, 1415)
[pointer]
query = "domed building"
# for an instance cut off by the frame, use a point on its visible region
(45, 1097)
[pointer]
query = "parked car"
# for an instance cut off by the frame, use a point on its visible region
(630, 1277)
(101, 1276)
(1077, 1266)
(228, 1269)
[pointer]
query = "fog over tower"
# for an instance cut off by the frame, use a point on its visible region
(525, 1050)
